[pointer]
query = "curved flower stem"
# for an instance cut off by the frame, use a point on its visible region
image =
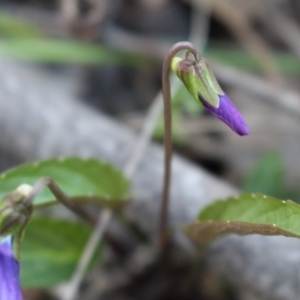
(61, 197)
(166, 90)
(68, 202)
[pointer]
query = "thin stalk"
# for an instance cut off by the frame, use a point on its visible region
(80, 211)
(88, 252)
(61, 197)
(166, 90)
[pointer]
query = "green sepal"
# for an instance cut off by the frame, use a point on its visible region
(187, 75)
(14, 212)
(209, 76)
(174, 65)
(197, 77)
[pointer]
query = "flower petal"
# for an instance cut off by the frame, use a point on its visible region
(229, 114)
(10, 288)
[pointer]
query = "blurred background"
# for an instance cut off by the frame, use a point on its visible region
(110, 53)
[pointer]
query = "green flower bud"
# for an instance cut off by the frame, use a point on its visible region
(14, 212)
(199, 80)
(196, 75)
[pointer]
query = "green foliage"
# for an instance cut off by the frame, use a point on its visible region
(50, 251)
(83, 180)
(246, 214)
(66, 52)
(287, 63)
(268, 177)
(13, 27)
(26, 42)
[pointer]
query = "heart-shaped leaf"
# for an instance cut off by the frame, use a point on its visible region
(246, 214)
(83, 180)
(50, 251)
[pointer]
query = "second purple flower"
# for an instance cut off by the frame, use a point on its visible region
(10, 288)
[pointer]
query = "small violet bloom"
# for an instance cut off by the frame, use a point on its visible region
(201, 83)
(10, 288)
(229, 114)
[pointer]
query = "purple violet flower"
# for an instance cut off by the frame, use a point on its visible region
(201, 83)
(10, 288)
(229, 114)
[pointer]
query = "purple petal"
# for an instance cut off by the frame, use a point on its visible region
(229, 114)
(10, 288)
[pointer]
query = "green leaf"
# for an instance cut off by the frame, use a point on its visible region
(60, 51)
(13, 27)
(50, 251)
(246, 214)
(83, 180)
